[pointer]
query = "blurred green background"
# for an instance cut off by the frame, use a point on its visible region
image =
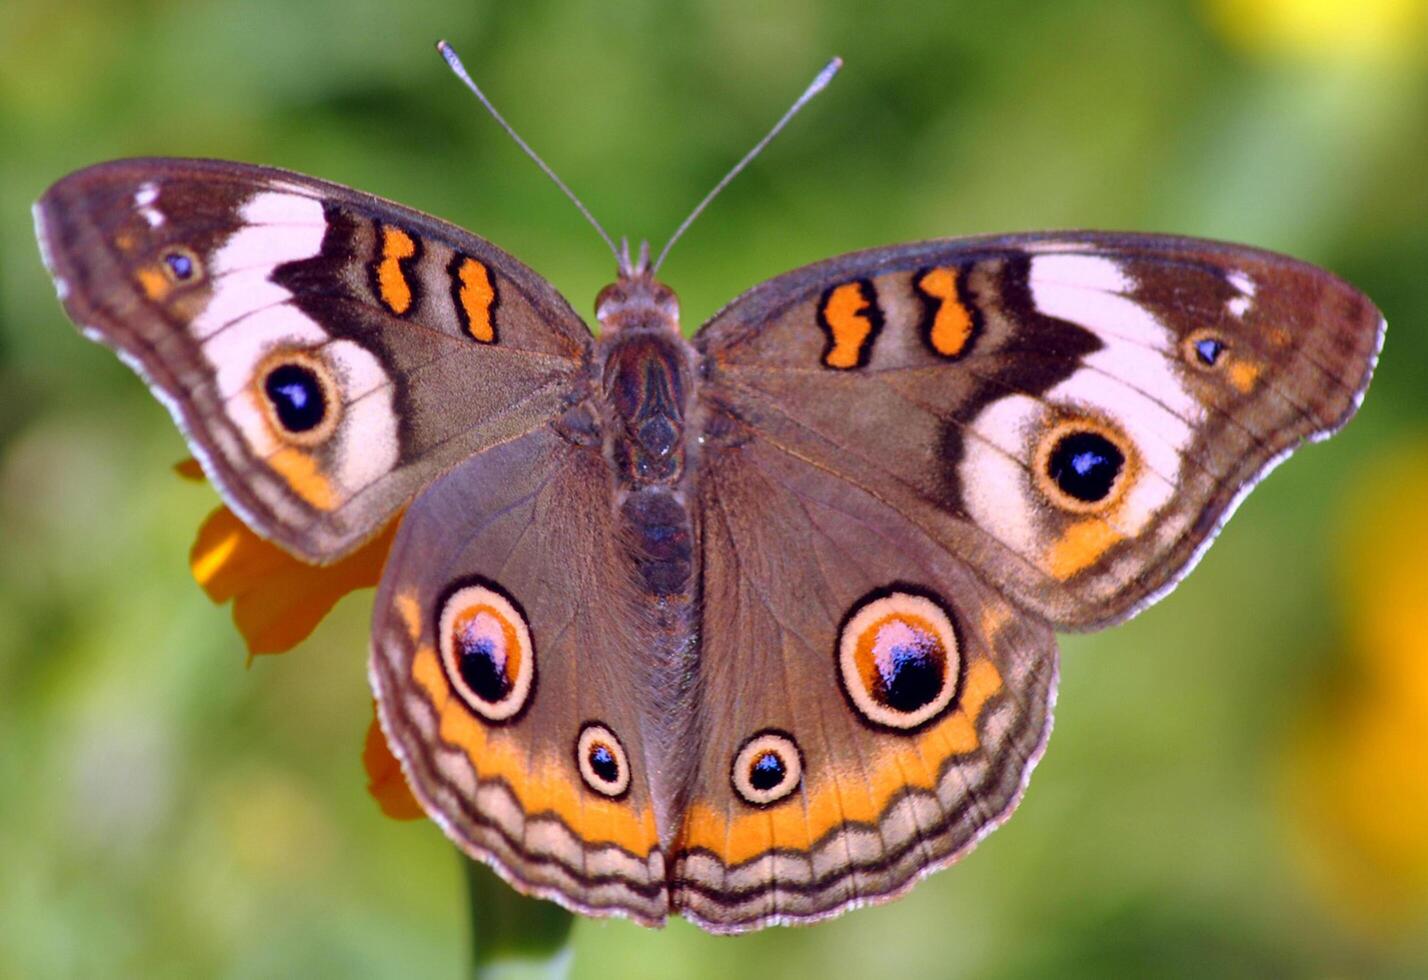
(1238, 782)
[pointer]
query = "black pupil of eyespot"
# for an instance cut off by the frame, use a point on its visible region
(1085, 466)
(1208, 349)
(602, 761)
(296, 396)
(767, 772)
(181, 265)
(911, 676)
(481, 666)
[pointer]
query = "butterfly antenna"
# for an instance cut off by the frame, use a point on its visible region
(819, 83)
(457, 68)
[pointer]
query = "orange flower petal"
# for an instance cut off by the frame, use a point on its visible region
(277, 599)
(385, 779)
(189, 470)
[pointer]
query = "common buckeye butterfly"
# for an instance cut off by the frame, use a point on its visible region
(750, 628)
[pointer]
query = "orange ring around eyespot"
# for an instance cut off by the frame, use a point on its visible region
(1191, 354)
(331, 395)
(479, 608)
(1129, 472)
(858, 667)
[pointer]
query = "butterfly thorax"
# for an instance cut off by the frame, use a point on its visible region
(645, 374)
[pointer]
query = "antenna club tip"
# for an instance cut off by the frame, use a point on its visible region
(826, 75)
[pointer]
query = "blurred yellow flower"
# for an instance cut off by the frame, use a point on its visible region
(277, 603)
(1334, 30)
(1358, 764)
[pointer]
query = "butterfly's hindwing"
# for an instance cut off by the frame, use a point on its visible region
(511, 665)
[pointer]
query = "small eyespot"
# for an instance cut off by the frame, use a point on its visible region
(1204, 349)
(899, 661)
(181, 264)
(486, 650)
(767, 768)
(602, 760)
(300, 396)
(1083, 465)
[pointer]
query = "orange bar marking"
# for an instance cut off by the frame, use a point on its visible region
(1079, 547)
(155, 284)
(950, 329)
(392, 285)
(851, 321)
(475, 299)
(307, 480)
(1243, 375)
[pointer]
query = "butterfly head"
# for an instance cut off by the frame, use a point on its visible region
(637, 299)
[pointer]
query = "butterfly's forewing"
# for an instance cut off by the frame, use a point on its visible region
(327, 353)
(1073, 415)
(511, 660)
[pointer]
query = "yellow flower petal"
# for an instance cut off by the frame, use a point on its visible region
(1384, 582)
(385, 779)
(1358, 787)
(1324, 30)
(1357, 773)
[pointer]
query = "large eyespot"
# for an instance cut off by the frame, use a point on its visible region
(602, 760)
(899, 661)
(767, 768)
(1203, 349)
(486, 651)
(1082, 465)
(300, 397)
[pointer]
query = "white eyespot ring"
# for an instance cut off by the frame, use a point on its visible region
(602, 760)
(486, 650)
(899, 661)
(767, 768)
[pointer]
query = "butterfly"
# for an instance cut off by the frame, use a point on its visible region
(753, 627)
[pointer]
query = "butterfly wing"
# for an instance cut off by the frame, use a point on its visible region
(915, 462)
(510, 660)
(869, 707)
(326, 353)
(1073, 415)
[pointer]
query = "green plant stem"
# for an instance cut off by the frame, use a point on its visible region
(512, 935)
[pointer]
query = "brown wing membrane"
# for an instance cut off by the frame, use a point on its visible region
(530, 753)
(326, 353)
(1074, 415)
(871, 708)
